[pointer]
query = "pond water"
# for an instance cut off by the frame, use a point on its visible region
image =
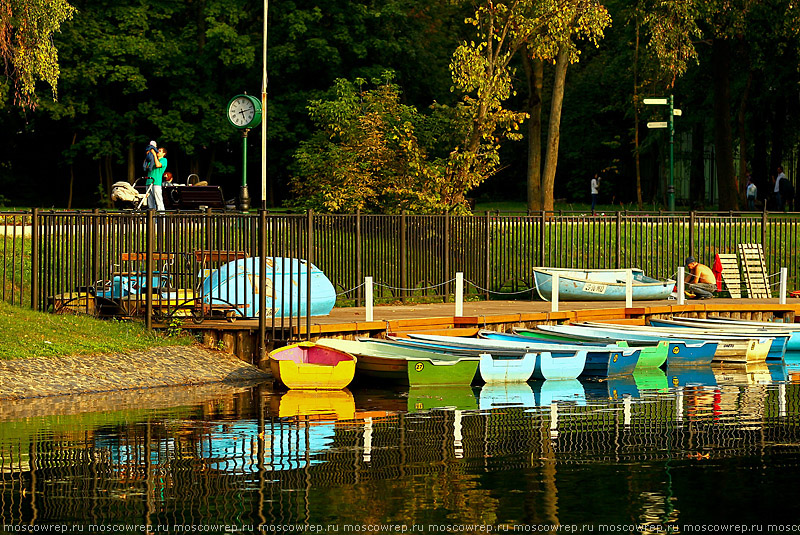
(682, 450)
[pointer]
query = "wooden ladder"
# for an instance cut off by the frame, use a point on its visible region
(755, 270)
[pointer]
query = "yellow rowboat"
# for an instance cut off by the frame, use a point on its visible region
(310, 366)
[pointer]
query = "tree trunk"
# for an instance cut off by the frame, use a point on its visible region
(71, 175)
(109, 172)
(723, 132)
(131, 164)
(778, 133)
(697, 178)
(760, 168)
(534, 74)
(636, 120)
(554, 129)
(741, 124)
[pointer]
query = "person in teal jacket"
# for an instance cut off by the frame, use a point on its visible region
(155, 199)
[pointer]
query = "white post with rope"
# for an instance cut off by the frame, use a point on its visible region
(459, 294)
(782, 290)
(681, 295)
(554, 293)
(368, 297)
(628, 288)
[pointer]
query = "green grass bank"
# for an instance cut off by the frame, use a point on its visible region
(25, 333)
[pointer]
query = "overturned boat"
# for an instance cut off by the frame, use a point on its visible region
(289, 287)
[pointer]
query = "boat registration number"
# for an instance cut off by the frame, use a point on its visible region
(594, 288)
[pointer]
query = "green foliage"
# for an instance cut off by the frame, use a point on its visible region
(27, 47)
(366, 154)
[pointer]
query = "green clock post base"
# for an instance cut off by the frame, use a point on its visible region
(244, 199)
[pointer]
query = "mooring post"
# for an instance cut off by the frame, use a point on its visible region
(368, 298)
(459, 294)
(681, 295)
(554, 293)
(784, 275)
(628, 288)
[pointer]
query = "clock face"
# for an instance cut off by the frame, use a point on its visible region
(241, 111)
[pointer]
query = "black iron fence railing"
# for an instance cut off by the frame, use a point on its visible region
(162, 266)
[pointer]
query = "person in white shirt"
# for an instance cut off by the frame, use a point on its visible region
(595, 190)
(777, 192)
(752, 193)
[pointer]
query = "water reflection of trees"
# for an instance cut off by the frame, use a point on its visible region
(235, 459)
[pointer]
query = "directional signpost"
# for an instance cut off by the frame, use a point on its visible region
(671, 125)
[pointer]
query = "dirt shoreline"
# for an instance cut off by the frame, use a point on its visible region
(157, 367)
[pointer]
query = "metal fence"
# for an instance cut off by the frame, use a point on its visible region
(53, 258)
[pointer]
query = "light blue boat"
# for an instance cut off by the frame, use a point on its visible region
(234, 286)
(600, 361)
(599, 284)
(497, 361)
(750, 328)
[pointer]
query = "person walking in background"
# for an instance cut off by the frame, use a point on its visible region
(752, 193)
(595, 187)
(776, 192)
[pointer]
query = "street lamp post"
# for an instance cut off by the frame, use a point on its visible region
(670, 124)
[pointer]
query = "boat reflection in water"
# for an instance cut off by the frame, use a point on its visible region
(676, 447)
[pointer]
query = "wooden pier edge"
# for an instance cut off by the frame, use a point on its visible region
(241, 337)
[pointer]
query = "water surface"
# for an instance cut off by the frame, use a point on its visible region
(662, 450)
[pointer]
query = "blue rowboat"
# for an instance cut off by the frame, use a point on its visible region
(600, 361)
(234, 286)
(551, 363)
(753, 329)
(650, 357)
(741, 348)
(680, 352)
(599, 284)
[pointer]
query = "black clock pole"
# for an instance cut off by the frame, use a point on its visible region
(244, 195)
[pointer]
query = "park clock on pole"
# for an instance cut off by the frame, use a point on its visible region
(244, 111)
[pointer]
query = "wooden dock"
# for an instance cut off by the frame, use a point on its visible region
(240, 337)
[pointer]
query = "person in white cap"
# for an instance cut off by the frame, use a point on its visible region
(155, 172)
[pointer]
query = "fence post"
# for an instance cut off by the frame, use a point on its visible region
(784, 274)
(619, 240)
(309, 261)
(691, 232)
(554, 292)
(447, 256)
(681, 295)
(542, 238)
(34, 259)
(262, 285)
(368, 298)
(403, 257)
(488, 259)
(359, 263)
(764, 221)
(147, 287)
(459, 294)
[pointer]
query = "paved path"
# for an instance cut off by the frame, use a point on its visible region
(163, 366)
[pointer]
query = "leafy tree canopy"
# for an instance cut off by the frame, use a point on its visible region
(27, 48)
